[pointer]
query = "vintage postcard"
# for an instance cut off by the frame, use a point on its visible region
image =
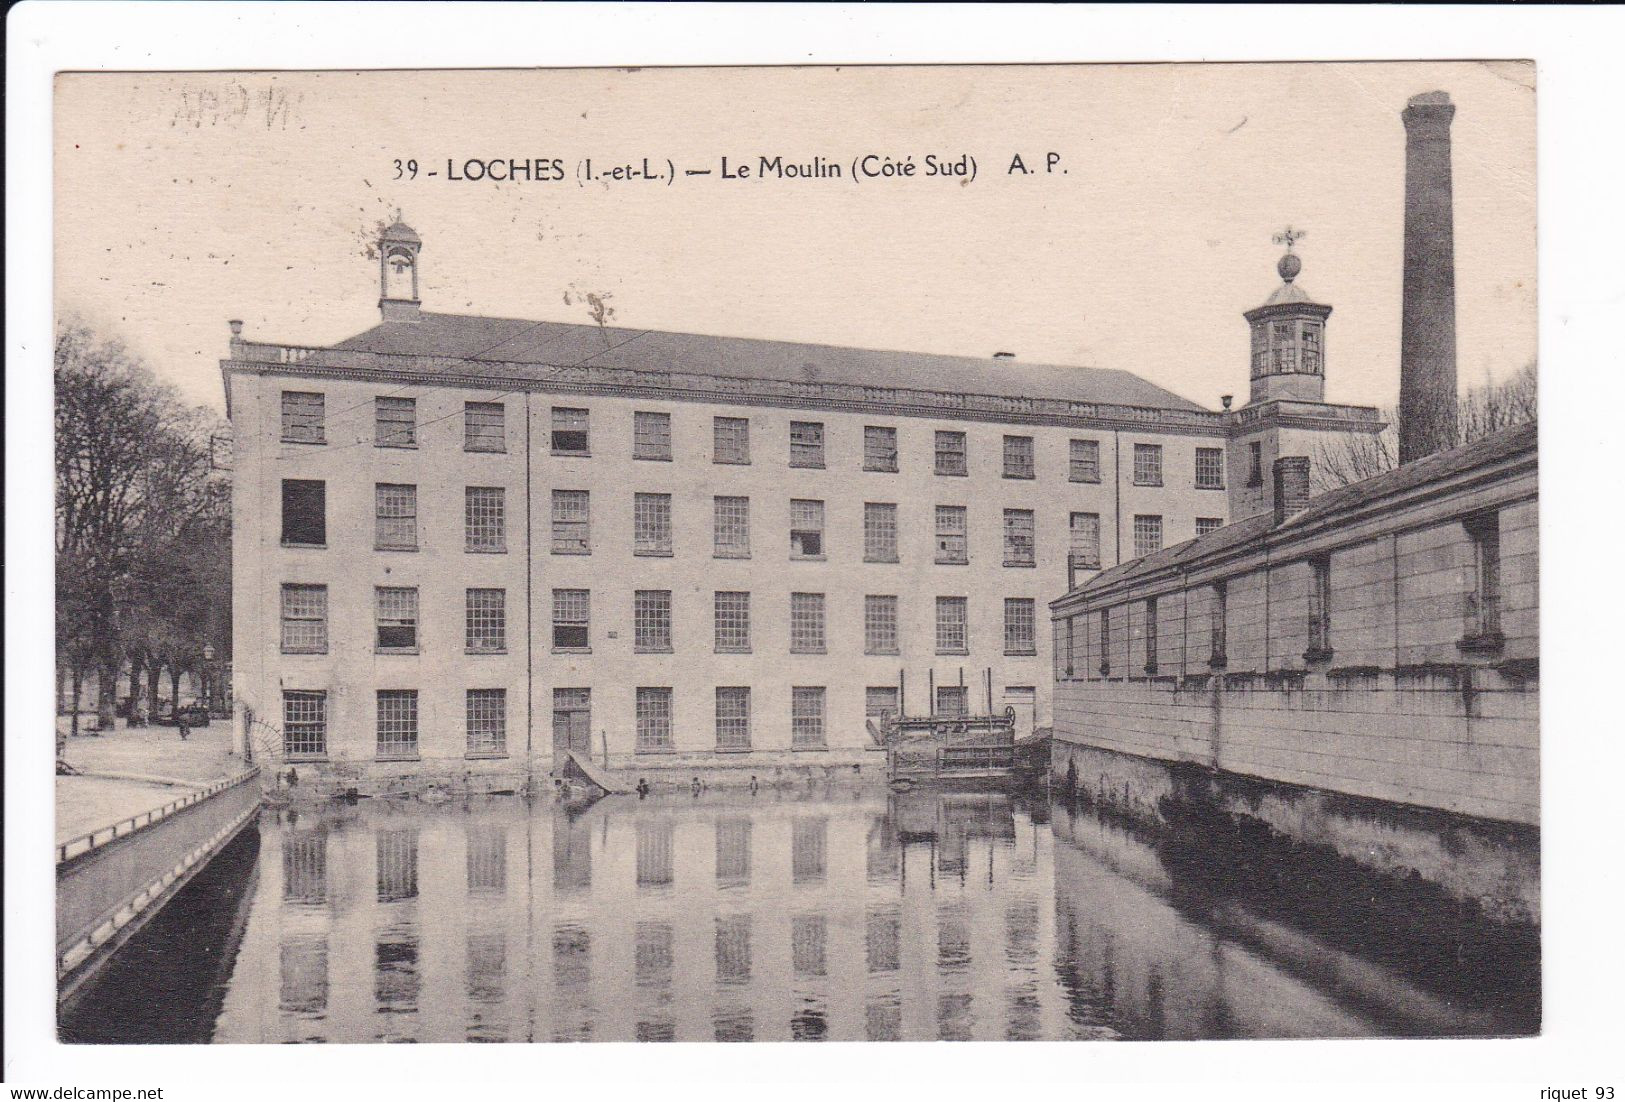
(827, 553)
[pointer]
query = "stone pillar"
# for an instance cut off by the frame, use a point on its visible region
(1427, 356)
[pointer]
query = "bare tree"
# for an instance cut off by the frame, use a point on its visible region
(1482, 410)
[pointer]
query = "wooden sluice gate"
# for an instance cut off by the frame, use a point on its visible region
(948, 746)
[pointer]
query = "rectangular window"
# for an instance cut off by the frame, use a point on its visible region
(1148, 464)
(395, 422)
(806, 717)
(1019, 629)
(571, 613)
(304, 619)
(880, 702)
(951, 546)
(304, 723)
(651, 524)
(486, 621)
(1147, 534)
(731, 527)
(1210, 468)
(1320, 608)
(1218, 615)
(572, 522)
(1204, 525)
(952, 700)
(950, 452)
(304, 418)
(572, 719)
(879, 448)
(484, 427)
(1084, 463)
(879, 531)
(1311, 348)
(304, 513)
(1105, 642)
(397, 723)
(1151, 636)
(397, 618)
(1019, 547)
(806, 623)
(806, 443)
(733, 717)
(651, 621)
(806, 529)
(651, 436)
(731, 609)
(880, 624)
(485, 519)
(1069, 657)
(569, 431)
(1085, 541)
(1018, 457)
(952, 631)
(653, 719)
(487, 722)
(1255, 463)
(730, 440)
(1484, 603)
(396, 514)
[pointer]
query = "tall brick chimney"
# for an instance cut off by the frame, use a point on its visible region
(1427, 350)
(1291, 474)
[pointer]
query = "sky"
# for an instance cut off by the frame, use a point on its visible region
(185, 200)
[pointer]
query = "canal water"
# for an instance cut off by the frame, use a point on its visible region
(827, 915)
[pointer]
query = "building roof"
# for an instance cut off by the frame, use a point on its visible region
(513, 342)
(1437, 467)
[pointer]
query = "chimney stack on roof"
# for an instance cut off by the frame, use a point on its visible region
(1427, 353)
(1291, 485)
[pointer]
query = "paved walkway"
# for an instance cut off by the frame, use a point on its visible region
(131, 771)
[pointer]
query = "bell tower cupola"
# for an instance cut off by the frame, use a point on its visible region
(398, 249)
(1288, 336)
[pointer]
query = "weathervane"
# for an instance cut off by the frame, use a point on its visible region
(1288, 236)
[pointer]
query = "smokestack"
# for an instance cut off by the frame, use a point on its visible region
(1427, 351)
(1291, 485)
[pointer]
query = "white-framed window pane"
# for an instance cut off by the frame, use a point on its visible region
(1148, 464)
(1210, 468)
(397, 723)
(950, 452)
(395, 422)
(304, 723)
(1085, 541)
(485, 518)
(880, 701)
(304, 417)
(732, 612)
(879, 531)
(396, 509)
(1018, 457)
(733, 717)
(806, 443)
(1084, 461)
(879, 448)
(730, 440)
(651, 524)
(654, 719)
(487, 620)
(651, 620)
(651, 435)
(1018, 537)
(880, 624)
(952, 633)
(484, 427)
(304, 619)
(487, 721)
(397, 617)
(1019, 628)
(806, 529)
(1204, 525)
(951, 523)
(569, 435)
(571, 613)
(731, 527)
(572, 522)
(1147, 534)
(806, 716)
(807, 623)
(953, 700)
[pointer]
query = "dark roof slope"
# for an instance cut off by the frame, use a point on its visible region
(511, 341)
(1441, 465)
